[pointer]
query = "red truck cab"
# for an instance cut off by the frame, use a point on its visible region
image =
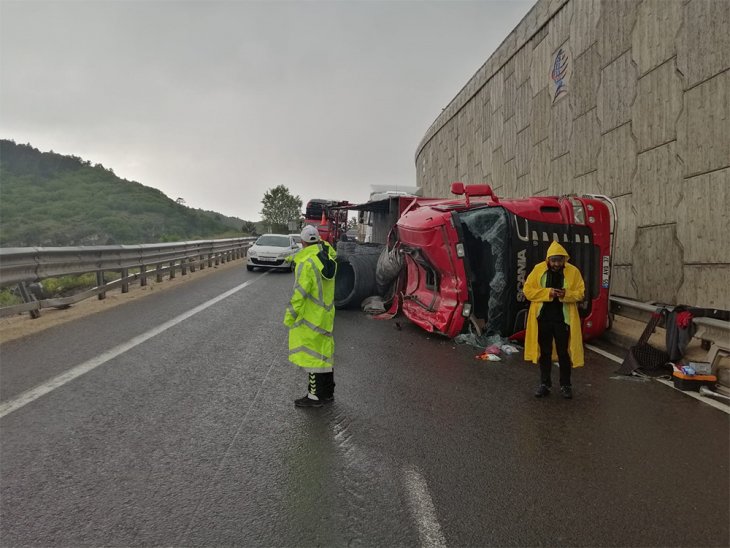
(329, 218)
(470, 258)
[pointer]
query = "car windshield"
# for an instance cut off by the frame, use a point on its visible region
(273, 240)
(297, 239)
(485, 238)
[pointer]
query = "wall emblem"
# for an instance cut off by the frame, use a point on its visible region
(560, 72)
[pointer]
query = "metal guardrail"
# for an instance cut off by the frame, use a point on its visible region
(27, 265)
(714, 333)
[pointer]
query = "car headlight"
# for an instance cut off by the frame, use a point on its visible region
(252, 253)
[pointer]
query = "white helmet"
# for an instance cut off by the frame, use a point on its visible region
(309, 234)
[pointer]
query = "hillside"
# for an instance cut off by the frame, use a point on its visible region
(47, 199)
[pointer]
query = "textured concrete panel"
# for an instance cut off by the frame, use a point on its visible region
(561, 173)
(522, 61)
(657, 106)
(621, 284)
(523, 152)
(616, 93)
(583, 27)
(523, 107)
(617, 161)
(540, 123)
(559, 26)
(496, 91)
(478, 114)
(625, 230)
(657, 185)
(509, 139)
(540, 67)
(656, 260)
(586, 143)
(504, 172)
(497, 128)
(510, 96)
(703, 137)
(617, 20)
(585, 184)
(561, 127)
(705, 286)
(540, 167)
(703, 223)
(703, 48)
(487, 120)
(523, 186)
(585, 81)
(486, 156)
(655, 32)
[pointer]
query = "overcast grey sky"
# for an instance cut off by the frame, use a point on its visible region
(216, 102)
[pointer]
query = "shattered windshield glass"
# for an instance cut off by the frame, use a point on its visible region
(485, 235)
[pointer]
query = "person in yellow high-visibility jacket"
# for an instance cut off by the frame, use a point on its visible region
(310, 317)
(554, 287)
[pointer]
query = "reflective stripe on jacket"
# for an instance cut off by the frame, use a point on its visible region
(310, 315)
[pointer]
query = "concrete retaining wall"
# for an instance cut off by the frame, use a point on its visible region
(629, 98)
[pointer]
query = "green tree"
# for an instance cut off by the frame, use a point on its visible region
(280, 206)
(248, 227)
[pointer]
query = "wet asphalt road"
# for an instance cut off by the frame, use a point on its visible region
(190, 438)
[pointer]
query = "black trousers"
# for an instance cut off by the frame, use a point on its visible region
(547, 331)
(322, 385)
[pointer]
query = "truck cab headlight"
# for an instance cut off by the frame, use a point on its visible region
(460, 250)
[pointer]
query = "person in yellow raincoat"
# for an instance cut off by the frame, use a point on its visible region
(554, 287)
(310, 317)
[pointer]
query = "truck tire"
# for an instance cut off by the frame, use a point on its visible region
(355, 280)
(368, 249)
(345, 249)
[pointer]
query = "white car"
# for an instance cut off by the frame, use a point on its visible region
(271, 251)
(298, 239)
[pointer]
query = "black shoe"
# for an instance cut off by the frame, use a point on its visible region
(567, 392)
(327, 399)
(306, 401)
(543, 391)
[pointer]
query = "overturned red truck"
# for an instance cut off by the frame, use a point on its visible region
(465, 260)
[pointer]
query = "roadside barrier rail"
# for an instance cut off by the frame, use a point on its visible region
(26, 266)
(714, 333)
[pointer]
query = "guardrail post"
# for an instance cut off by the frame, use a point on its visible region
(158, 271)
(172, 270)
(125, 280)
(142, 275)
(217, 259)
(192, 264)
(28, 297)
(200, 259)
(183, 266)
(210, 259)
(100, 283)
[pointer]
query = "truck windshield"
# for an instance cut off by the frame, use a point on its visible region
(484, 233)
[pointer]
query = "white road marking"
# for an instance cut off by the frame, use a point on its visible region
(48, 386)
(604, 353)
(704, 399)
(421, 506)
